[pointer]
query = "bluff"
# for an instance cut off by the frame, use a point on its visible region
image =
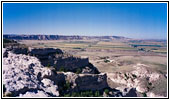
(60, 37)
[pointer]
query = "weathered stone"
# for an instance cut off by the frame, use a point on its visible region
(22, 73)
(91, 81)
(50, 87)
(33, 94)
(139, 78)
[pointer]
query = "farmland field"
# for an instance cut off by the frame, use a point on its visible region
(112, 56)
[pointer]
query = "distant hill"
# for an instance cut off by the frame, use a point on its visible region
(60, 37)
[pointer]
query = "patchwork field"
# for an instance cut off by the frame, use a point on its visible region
(112, 56)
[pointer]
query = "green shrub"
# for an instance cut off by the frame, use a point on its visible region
(97, 94)
(83, 94)
(62, 69)
(78, 71)
(74, 94)
(144, 95)
(67, 95)
(67, 85)
(48, 65)
(106, 91)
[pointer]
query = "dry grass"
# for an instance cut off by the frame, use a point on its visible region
(121, 52)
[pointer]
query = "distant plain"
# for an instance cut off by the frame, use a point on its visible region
(114, 55)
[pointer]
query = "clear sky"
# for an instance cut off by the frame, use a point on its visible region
(134, 20)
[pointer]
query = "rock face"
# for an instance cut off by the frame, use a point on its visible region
(17, 50)
(50, 57)
(44, 52)
(141, 78)
(82, 82)
(58, 59)
(22, 77)
(92, 82)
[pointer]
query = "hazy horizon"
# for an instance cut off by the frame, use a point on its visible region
(131, 20)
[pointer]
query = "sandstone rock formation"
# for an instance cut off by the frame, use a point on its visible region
(141, 78)
(21, 76)
(24, 76)
(50, 57)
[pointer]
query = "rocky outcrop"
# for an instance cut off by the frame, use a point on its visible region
(44, 52)
(17, 49)
(22, 76)
(141, 78)
(81, 82)
(91, 81)
(56, 58)
(25, 76)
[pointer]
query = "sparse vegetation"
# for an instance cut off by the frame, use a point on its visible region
(62, 69)
(106, 91)
(87, 93)
(103, 51)
(67, 85)
(106, 60)
(97, 94)
(144, 95)
(78, 71)
(48, 65)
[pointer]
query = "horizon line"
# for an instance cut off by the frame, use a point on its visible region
(91, 36)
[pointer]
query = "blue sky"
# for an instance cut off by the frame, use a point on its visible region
(134, 20)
